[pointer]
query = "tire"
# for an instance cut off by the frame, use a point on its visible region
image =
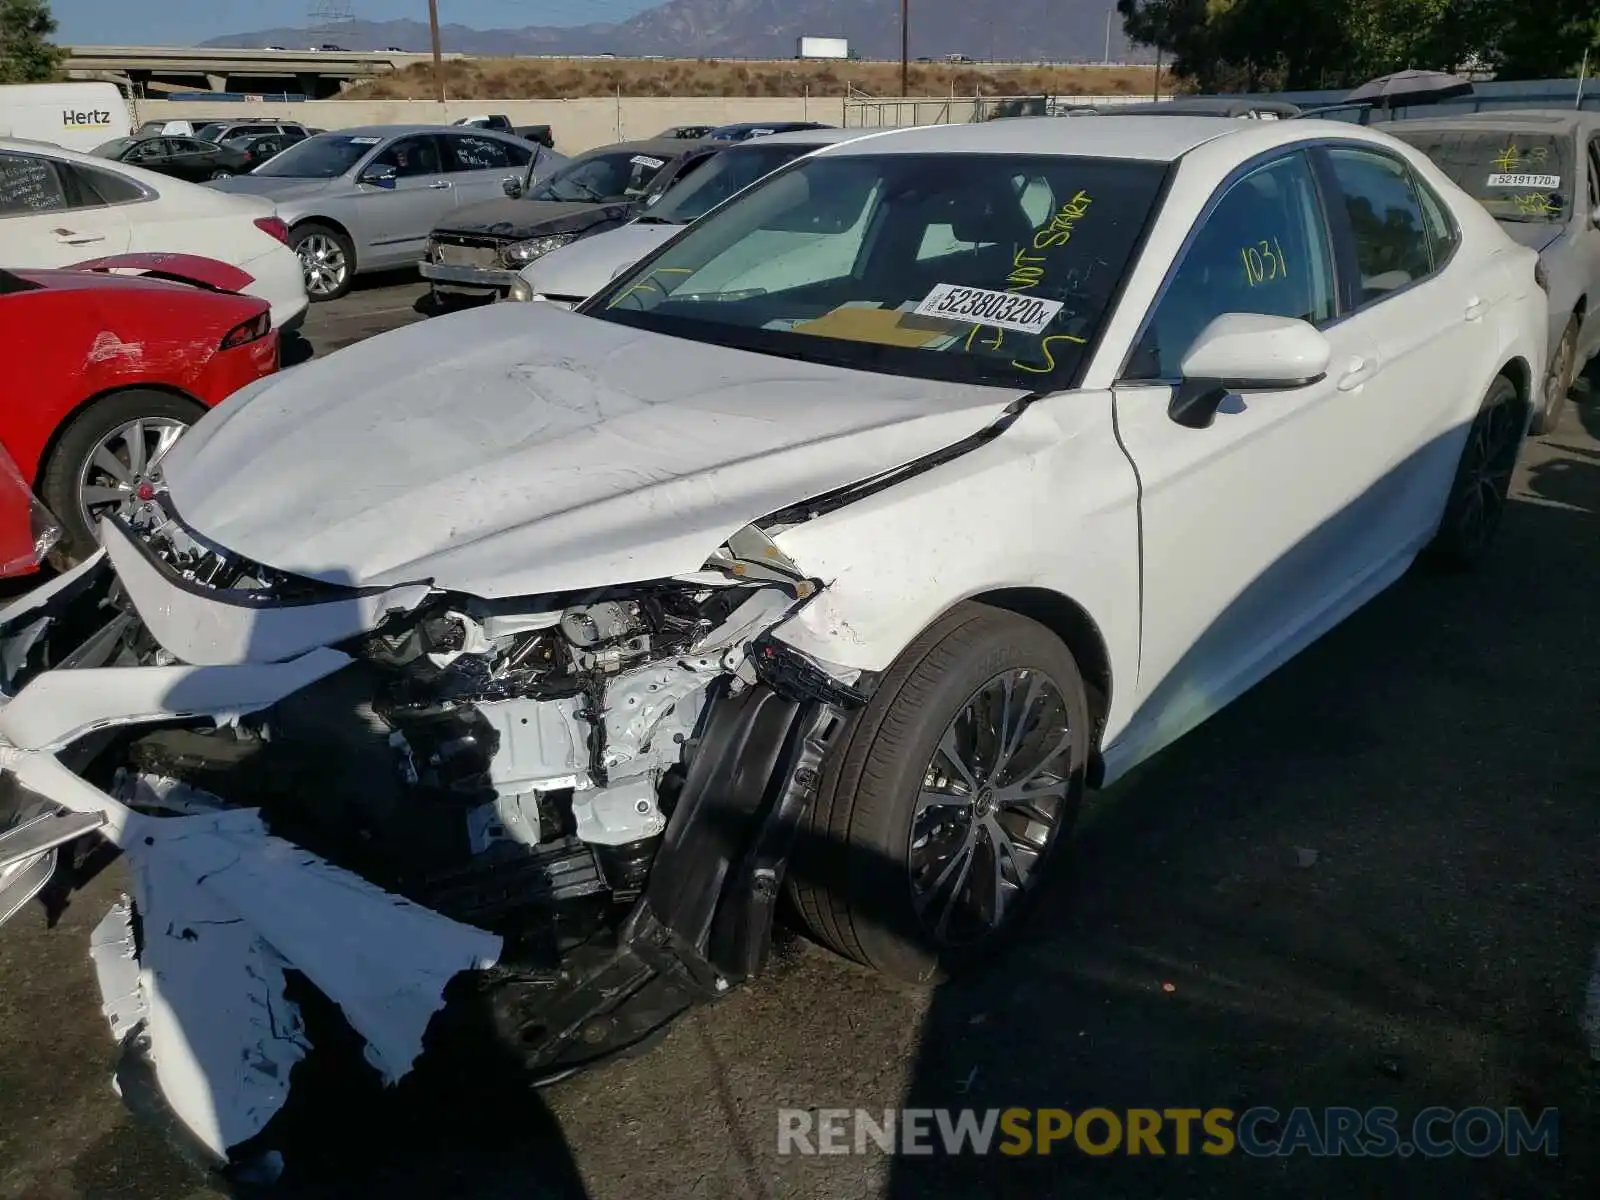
(1558, 383)
(856, 869)
(69, 460)
(222, 173)
(1482, 480)
(317, 245)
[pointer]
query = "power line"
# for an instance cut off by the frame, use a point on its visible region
(327, 16)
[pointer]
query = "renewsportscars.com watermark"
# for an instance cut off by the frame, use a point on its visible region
(1255, 1132)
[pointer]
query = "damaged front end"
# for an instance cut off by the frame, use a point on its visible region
(573, 812)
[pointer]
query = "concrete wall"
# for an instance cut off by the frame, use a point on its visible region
(577, 124)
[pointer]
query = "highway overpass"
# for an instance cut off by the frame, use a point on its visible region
(315, 73)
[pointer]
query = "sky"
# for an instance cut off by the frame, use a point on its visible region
(185, 22)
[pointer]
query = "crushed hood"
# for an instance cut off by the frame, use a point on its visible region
(585, 267)
(519, 219)
(522, 449)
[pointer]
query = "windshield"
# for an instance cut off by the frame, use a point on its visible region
(326, 156)
(1517, 176)
(112, 148)
(728, 172)
(208, 132)
(600, 178)
(1000, 271)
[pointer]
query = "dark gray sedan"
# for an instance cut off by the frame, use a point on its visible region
(364, 199)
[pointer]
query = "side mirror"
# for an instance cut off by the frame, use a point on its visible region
(512, 188)
(1246, 352)
(380, 176)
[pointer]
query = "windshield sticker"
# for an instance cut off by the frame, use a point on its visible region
(1545, 182)
(761, 132)
(979, 306)
(365, 141)
(1263, 262)
(644, 160)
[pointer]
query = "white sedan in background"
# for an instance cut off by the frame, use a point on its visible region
(58, 207)
(590, 633)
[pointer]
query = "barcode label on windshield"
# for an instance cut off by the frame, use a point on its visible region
(1542, 182)
(978, 306)
(644, 160)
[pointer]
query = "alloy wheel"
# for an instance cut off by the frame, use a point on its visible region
(125, 461)
(323, 261)
(991, 804)
(1491, 455)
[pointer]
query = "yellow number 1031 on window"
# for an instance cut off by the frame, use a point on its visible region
(1264, 262)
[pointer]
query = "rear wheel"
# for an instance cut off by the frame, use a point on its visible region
(947, 800)
(222, 173)
(1483, 479)
(1559, 382)
(103, 456)
(327, 258)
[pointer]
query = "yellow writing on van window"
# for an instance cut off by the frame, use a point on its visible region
(1508, 159)
(1534, 204)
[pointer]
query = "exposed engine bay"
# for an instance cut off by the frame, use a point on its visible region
(608, 784)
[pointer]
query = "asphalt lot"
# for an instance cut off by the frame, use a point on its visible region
(1370, 881)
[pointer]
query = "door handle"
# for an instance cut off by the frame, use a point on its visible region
(69, 237)
(440, 183)
(1360, 368)
(1476, 308)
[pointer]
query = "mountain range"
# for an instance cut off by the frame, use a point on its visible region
(1022, 30)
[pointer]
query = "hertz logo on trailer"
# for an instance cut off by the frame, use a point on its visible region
(72, 119)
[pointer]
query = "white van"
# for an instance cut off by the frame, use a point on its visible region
(78, 116)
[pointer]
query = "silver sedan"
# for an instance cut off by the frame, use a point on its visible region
(364, 199)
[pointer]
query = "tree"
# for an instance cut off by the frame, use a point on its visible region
(26, 52)
(1229, 45)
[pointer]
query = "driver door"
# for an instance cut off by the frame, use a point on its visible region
(395, 220)
(1253, 536)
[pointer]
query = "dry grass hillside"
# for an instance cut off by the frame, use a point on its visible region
(561, 79)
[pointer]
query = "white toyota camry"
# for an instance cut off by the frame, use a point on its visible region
(834, 550)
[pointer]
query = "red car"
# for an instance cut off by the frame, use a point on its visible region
(103, 372)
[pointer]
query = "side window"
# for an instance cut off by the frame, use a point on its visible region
(96, 187)
(1443, 235)
(1385, 219)
(1594, 175)
(469, 153)
(29, 185)
(1263, 249)
(146, 151)
(411, 157)
(519, 156)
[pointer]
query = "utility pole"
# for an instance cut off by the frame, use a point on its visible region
(1110, 12)
(905, 47)
(438, 58)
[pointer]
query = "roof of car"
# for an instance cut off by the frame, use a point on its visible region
(668, 148)
(1548, 120)
(388, 131)
(1152, 139)
(803, 137)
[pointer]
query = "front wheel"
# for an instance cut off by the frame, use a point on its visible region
(104, 455)
(327, 258)
(947, 799)
(1477, 500)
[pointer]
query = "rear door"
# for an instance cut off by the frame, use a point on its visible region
(393, 223)
(49, 218)
(480, 166)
